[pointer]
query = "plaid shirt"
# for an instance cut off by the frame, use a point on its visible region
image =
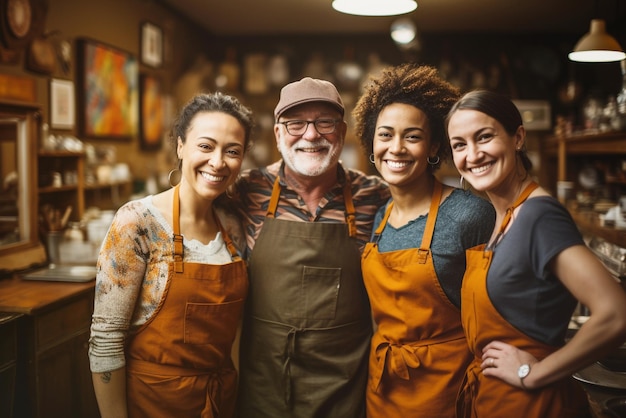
(255, 187)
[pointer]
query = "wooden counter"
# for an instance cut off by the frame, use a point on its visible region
(53, 377)
(32, 297)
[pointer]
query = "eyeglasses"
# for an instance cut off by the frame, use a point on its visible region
(322, 126)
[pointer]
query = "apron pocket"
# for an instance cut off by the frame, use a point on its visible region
(320, 291)
(212, 323)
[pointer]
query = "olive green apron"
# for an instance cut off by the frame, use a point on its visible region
(307, 323)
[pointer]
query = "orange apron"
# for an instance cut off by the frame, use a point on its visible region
(418, 353)
(491, 397)
(179, 363)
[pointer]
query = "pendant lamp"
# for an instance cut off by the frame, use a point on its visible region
(597, 46)
(374, 7)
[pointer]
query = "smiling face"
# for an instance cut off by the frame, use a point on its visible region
(310, 154)
(402, 145)
(483, 152)
(212, 153)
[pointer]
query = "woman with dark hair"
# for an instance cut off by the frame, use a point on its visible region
(413, 266)
(521, 288)
(171, 283)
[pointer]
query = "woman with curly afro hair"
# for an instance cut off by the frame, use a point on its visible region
(414, 264)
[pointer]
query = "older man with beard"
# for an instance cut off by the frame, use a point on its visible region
(307, 323)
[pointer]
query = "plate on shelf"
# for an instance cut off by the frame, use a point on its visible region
(600, 376)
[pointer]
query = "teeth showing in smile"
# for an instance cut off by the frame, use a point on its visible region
(478, 170)
(211, 177)
(311, 149)
(397, 164)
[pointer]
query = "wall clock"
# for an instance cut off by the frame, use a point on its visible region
(17, 21)
(19, 16)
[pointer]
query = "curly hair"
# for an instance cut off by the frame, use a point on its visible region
(412, 84)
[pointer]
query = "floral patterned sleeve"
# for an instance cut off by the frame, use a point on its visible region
(129, 282)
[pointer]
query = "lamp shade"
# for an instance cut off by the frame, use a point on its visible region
(375, 7)
(597, 46)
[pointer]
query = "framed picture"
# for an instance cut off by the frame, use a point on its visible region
(151, 113)
(108, 91)
(62, 105)
(151, 45)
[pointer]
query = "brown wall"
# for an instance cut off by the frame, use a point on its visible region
(117, 23)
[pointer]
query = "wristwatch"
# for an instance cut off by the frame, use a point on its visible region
(522, 373)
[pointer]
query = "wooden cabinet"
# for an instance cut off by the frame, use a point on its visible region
(565, 157)
(8, 363)
(53, 379)
(73, 190)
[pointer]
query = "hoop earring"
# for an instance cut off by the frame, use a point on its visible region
(433, 162)
(171, 173)
(371, 158)
(462, 183)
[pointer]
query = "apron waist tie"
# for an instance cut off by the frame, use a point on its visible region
(214, 385)
(468, 391)
(290, 348)
(403, 356)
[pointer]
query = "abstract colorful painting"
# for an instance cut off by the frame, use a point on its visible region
(108, 91)
(152, 117)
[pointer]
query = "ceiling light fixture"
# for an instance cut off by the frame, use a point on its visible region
(597, 45)
(403, 31)
(375, 7)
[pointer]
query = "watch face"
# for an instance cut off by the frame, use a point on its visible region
(523, 371)
(19, 17)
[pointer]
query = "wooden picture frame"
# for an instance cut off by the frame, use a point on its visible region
(62, 104)
(151, 41)
(152, 117)
(108, 91)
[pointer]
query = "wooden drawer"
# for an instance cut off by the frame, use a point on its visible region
(8, 340)
(63, 323)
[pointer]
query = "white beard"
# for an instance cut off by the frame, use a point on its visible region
(306, 164)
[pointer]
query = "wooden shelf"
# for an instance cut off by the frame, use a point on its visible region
(60, 154)
(589, 222)
(80, 195)
(51, 189)
(98, 186)
(601, 143)
(573, 153)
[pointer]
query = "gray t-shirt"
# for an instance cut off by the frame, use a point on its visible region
(464, 221)
(519, 283)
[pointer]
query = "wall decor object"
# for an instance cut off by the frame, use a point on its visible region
(108, 91)
(41, 56)
(151, 41)
(20, 21)
(152, 118)
(18, 88)
(62, 104)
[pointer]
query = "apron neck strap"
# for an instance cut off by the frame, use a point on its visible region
(430, 221)
(509, 212)
(350, 212)
(179, 249)
(178, 238)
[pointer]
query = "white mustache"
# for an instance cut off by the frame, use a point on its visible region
(302, 143)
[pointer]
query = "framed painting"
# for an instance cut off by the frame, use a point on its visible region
(108, 91)
(152, 119)
(62, 105)
(151, 45)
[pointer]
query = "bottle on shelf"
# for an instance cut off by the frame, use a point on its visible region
(621, 100)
